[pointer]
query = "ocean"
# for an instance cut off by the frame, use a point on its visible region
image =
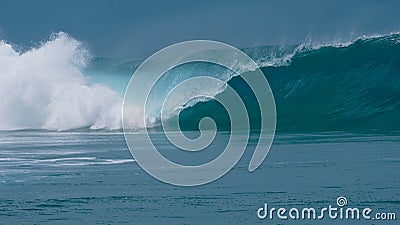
(91, 178)
(64, 159)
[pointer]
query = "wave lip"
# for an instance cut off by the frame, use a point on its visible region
(353, 85)
(338, 87)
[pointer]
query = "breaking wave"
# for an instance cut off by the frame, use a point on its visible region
(338, 86)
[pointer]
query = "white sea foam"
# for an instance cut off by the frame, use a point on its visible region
(105, 162)
(43, 88)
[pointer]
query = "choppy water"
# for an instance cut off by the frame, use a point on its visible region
(90, 177)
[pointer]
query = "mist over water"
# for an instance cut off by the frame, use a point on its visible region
(44, 88)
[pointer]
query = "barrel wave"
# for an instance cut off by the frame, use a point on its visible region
(341, 87)
(353, 86)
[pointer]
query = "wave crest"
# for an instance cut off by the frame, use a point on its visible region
(44, 88)
(334, 86)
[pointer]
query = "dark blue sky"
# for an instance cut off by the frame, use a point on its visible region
(137, 29)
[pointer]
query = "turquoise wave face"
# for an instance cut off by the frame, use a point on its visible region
(353, 87)
(115, 73)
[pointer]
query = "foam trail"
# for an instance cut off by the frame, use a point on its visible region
(43, 88)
